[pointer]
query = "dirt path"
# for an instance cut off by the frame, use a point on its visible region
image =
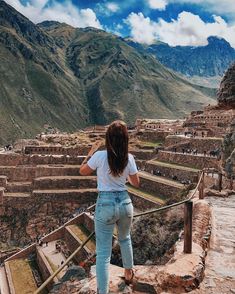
(220, 262)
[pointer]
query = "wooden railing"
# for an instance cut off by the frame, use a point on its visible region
(188, 215)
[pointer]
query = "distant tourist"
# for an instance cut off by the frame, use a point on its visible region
(114, 166)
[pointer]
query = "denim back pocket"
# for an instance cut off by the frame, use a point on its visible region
(128, 208)
(105, 212)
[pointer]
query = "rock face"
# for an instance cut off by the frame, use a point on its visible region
(226, 93)
(229, 148)
(205, 61)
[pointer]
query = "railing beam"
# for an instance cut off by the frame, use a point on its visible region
(188, 220)
(220, 181)
(201, 187)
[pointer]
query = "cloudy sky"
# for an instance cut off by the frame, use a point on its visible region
(176, 22)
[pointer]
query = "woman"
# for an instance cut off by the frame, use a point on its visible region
(114, 166)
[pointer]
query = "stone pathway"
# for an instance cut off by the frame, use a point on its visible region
(220, 261)
(54, 256)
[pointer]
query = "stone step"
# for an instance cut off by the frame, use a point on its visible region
(20, 173)
(49, 259)
(20, 276)
(37, 159)
(82, 196)
(150, 197)
(171, 170)
(160, 185)
(194, 161)
(57, 170)
(64, 182)
(21, 187)
(17, 195)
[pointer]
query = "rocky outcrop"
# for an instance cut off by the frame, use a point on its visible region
(226, 93)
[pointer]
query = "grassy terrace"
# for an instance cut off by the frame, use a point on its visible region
(158, 199)
(82, 233)
(22, 276)
(160, 179)
(150, 144)
(173, 165)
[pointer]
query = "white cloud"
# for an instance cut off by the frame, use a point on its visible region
(215, 6)
(113, 7)
(40, 10)
(157, 4)
(187, 29)
(143, 30)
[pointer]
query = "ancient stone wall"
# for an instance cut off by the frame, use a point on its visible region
(201, 144)
(181, 174)
(195, 161)
(73, 243)
(159, 188)
(73, 151)
(88, 222)
(141, 203)
(154, 136)
(45, 268)
(143, 154)
(24, 218)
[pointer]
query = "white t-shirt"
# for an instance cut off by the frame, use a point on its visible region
(107, 182)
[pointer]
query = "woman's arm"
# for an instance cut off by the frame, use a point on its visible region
(85, 170)
(134, 180)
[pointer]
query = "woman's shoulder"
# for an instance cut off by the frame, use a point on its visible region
(101, 153)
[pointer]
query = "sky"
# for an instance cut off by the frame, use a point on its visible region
(176, 22)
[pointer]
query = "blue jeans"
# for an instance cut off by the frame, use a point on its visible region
(112, 208)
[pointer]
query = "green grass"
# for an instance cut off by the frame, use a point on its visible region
(22, 276)
(150, 144)
(173, 165)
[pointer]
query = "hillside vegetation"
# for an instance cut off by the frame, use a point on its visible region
(54, 74)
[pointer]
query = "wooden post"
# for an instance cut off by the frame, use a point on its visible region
(188, 217)
(201, 187)
(220, 181)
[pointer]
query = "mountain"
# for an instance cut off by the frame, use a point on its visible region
(204, 61)
(226, 93)
(52, 73)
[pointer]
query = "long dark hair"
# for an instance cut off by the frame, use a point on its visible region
(117, 147)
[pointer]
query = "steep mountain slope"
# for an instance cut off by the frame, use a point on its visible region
(205, 61)
(69, 78)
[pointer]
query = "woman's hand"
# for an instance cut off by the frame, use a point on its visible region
(94, 148)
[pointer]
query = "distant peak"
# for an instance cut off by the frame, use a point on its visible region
(217, 40)
(51, 24)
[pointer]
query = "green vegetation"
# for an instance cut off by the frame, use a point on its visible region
(22, 276)
(82, 233)
(150, 144)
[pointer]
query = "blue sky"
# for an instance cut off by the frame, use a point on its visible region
(176, 22)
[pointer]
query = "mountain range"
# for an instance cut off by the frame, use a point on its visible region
(210, 60)
(69, 78)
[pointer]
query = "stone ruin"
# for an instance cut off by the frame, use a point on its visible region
(44, 199)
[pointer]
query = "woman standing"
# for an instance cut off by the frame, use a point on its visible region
(114, 166)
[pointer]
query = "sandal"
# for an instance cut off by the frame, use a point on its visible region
(130, 281)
